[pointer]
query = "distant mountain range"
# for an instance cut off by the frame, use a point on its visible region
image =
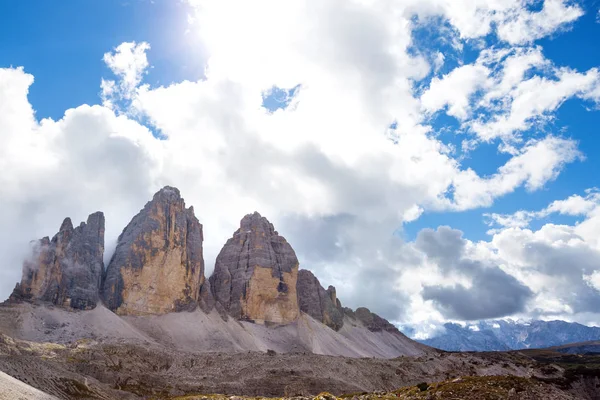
(509, 335)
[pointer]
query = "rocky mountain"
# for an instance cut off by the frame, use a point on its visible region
(67, 270)
(256, 273)
(509, 335)
(319, 303)
(371, 321)
(151, 325)
(154, 291)
(158, 265)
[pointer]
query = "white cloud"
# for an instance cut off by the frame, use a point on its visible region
(438, 61)
(574, 205)
(593, 280)
(512, 20)
(553, 261)
(519, 219)
(531, 101)
(515, 64)
(454, 90)
(506, 92)
(129, 63)
(537, 163)
(526, 27)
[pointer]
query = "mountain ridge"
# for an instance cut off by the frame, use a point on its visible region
(498, 335)
(154, 290)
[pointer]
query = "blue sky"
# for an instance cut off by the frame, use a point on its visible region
(576, 48)
(61, 43)
(285, 110)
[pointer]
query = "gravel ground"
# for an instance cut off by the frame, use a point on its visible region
(199, 332)
(14, 389)
(98, 355)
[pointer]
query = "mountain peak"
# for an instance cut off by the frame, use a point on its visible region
(255, 274)
(66, 225)
(168, 192)
(255, 221)
(158, 265)
(67, 270)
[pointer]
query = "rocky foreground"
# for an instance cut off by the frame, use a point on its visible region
(467, 388)
(93, 370)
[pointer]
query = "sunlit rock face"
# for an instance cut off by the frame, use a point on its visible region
(256, 273)
(67, 270)
(158, 265)
(317, 302)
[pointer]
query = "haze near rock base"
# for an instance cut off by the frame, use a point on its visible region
(67, 270)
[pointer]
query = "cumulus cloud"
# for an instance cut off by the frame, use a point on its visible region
(129, 63)
(528, 26)
(338, 170)
(555, 260)
(549, 273)
(490, 292)
(508, 91)
(593, 280)
(512, 21)
(533, 166)
(493, 294)
(531, 100)
(575, 205)
(454, 90)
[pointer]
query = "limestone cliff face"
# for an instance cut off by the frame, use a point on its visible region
(158, 265)
(67, 270)
(256, 273)
(317, 302)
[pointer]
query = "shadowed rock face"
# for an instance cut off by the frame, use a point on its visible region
(372, 321)
(255, 274)
(317, 302)
(67, 270)
(158, 265)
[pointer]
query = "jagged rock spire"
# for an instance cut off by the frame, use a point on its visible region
(158, 265)
(317, 302)
(255, 274)
(67, 270)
